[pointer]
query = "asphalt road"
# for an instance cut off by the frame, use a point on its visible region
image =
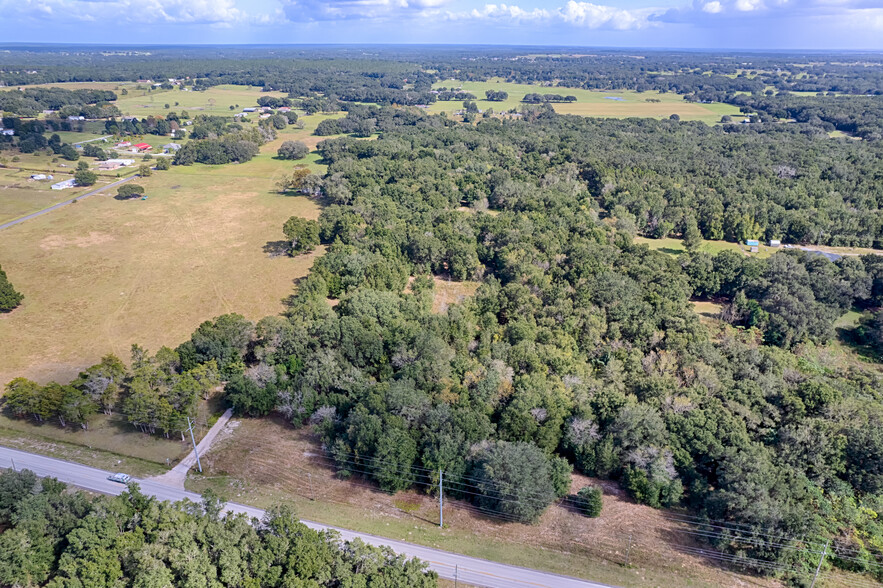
(65, 203)
(469, 570)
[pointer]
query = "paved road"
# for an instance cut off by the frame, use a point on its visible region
(469, 570)
(178, 474)
(65, 203)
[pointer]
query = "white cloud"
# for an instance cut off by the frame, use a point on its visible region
(212, 12)
(712, 7)
(313, 10)
(749, 5)
(576, 14)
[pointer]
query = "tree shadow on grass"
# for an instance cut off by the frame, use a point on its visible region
(276, 248)
(848, 338)
(670, 251)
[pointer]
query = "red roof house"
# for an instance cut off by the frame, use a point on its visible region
(143, 147)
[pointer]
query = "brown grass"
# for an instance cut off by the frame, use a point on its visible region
(102, 274)
(449, 292)
(265, 461)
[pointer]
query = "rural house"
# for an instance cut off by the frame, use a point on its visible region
(65, 184)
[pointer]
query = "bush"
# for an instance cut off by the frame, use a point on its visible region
(84, 177)
(127, 191)
(293, 150)
(590, 501)
(162, 163)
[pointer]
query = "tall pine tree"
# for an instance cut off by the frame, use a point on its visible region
(9, 298)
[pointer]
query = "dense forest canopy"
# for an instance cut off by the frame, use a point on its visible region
(52, 536)
(579, 350)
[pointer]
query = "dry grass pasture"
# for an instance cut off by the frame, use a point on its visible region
(216, 100)
(102, 274)
(613, 103)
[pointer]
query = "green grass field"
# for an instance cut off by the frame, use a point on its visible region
(102, 274)
(589, 102)
(216, 101)
(675, 247)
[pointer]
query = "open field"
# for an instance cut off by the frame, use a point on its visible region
(34, 442)
(673, 246)
(19, 195)
(244, 465)
(589, 102)
(143, 102)
(102, 274)
(217, 100)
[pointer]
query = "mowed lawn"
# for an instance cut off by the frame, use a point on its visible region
(615, 104)
(215, 101)
(102, 274)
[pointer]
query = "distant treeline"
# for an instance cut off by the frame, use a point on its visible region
(33, 101)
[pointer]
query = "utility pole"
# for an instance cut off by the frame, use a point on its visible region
(456, 575)
(13, 464)
(312, 495)
(441, 499)
(628, 552)
(193, 440)
(819, 567)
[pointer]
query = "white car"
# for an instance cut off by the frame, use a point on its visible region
(121, 478)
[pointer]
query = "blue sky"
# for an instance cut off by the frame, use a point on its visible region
(714, 24)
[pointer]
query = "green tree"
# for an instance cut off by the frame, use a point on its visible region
(9, 297)
(302, 234)
(129, 191)
(396, 452)
(293, 150)
(691, 235)
(513, 479)
(590, 501)
(85, 177)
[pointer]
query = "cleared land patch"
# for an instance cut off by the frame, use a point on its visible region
(265, 461)
(215, 101)
(102, 274)
(589, 102)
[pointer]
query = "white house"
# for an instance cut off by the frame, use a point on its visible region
(8, 132)
(170, 147)
(65, 184)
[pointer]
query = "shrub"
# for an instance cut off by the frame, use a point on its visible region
(84, 177)
(590, 501)
(127, 191)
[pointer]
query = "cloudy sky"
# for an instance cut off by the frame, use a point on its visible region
(736, 24)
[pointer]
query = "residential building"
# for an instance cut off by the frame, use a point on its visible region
(65, 184)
